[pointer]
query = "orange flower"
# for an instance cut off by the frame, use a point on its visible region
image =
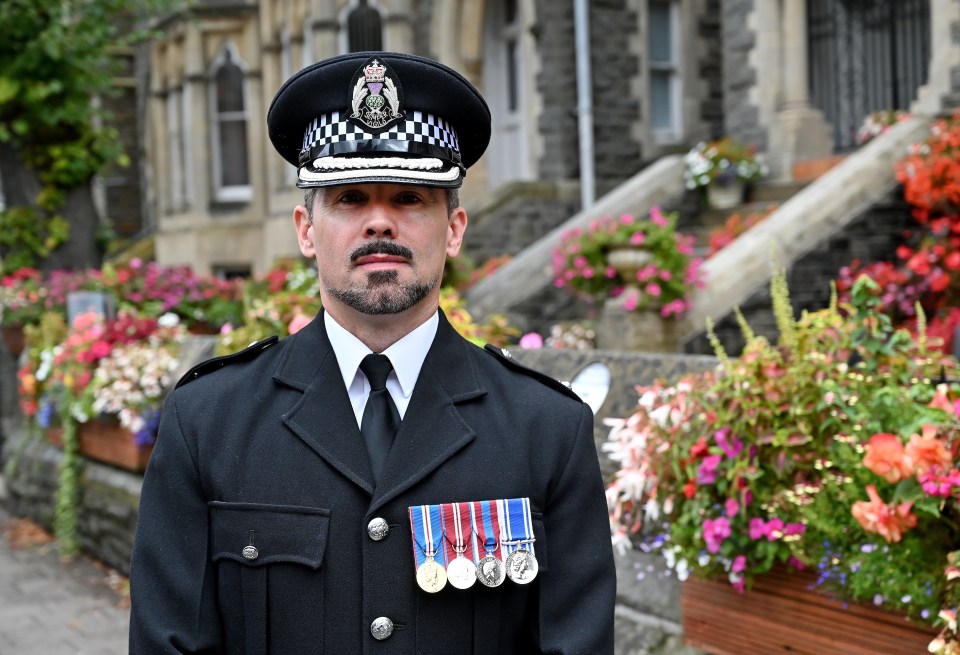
(888, 521)
(885, 457)
(926, 451)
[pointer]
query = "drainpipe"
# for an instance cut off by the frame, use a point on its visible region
(584, 102)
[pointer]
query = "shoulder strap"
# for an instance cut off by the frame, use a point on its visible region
(217, 363)
(504, 357)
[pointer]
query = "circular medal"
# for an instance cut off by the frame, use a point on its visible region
(461, 572)
(431, 577)
(490, 571)
(522, 566)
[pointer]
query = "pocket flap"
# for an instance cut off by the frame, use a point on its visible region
(279, 533)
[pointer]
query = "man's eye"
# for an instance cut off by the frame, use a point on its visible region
(408, 198)
(351, 198)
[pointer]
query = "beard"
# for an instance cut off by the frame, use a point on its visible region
(383, 294)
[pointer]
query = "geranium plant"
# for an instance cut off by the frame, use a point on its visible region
(835, 448)
(581, 263)
(721, 162)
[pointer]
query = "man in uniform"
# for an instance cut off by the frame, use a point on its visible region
(296, 487)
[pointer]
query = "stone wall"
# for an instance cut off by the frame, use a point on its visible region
(648, 611)
(742, 118)
(515, 216)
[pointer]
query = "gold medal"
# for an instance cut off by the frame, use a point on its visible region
(522, 566)
(430, 576)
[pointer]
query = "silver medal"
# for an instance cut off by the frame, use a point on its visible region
(461, 572)
(522, 566)
(490, 571)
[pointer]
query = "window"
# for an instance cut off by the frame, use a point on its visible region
(231, 172)
(364, 28)
(176, 159)
(662, 54)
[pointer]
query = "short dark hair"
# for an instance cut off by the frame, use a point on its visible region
(310, 197)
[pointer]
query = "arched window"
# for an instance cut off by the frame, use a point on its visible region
(231, 166)
(364, 28)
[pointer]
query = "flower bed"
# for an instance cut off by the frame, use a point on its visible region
(833, 450)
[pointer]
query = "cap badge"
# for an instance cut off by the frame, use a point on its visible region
(376, 97)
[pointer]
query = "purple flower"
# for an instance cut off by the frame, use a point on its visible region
(730, 448)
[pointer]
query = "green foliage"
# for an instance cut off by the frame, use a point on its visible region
(56, 58)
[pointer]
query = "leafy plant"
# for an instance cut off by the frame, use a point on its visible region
(879, 122)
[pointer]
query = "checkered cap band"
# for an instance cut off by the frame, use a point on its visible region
(421, 128)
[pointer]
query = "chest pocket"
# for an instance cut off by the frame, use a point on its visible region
(263, 554)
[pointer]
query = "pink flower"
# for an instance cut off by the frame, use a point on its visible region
(714, 532)
(889, 521)
(297, 323)
(611, 272)
(637, 238)
(732, 507)
(531, 340)
(707, 473)
(657, 217)
(631, 302)
(580, 262)
(756, 528)
(626, 219)
(739, 564)
(653, 289)
(730, 448)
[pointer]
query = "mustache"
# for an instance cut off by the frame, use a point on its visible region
(381, 247)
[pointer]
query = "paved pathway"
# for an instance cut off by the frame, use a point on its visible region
(48, 607)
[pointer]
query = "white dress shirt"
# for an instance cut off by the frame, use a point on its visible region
(406, 355)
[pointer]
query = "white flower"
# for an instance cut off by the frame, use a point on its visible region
(168, 320)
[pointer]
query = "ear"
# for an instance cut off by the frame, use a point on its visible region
(305, 232)
(456, 226)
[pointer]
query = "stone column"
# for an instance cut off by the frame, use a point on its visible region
(802, 133)
(942, 89)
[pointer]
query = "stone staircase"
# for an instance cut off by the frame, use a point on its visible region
(828, 215)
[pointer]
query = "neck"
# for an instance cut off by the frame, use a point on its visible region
(379, 332)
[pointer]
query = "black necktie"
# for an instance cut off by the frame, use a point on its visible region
(380, 416)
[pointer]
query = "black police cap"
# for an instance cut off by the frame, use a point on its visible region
(379, 117)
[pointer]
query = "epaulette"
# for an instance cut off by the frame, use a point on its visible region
(217, 363)
(504, 356)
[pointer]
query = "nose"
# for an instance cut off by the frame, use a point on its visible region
(380, 222)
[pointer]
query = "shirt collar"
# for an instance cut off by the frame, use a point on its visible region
(407, 355)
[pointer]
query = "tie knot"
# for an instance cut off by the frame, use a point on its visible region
(376, 367)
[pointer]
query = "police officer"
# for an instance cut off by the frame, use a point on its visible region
(312, 495)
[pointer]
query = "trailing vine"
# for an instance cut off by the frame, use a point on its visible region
(68, 490)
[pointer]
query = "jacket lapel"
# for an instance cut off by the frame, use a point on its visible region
(323, 417)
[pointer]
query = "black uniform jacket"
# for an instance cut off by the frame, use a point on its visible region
(267, 452)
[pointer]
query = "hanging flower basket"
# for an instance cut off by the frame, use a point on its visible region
(104, 440)
(783, 613)
(14, 339)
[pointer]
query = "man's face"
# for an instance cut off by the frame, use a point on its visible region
(380, 248)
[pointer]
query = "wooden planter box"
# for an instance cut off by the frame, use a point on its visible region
(780, 614)
(102, 439)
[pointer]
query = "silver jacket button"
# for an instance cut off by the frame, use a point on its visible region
(378, 529)
(250, 552)
(381, 628)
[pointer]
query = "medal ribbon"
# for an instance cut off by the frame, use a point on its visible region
(516, 529)
(486, 522)
(426, 524)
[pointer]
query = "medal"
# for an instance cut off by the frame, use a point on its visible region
(486, 521)
(516, 536)
(522, 566)
(430, 576)
(461, 571)
(427, 527)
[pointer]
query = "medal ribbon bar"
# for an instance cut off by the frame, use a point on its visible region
(516, 526)
(426, 524)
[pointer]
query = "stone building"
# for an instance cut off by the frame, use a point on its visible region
(793, 77)
(221, 199)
